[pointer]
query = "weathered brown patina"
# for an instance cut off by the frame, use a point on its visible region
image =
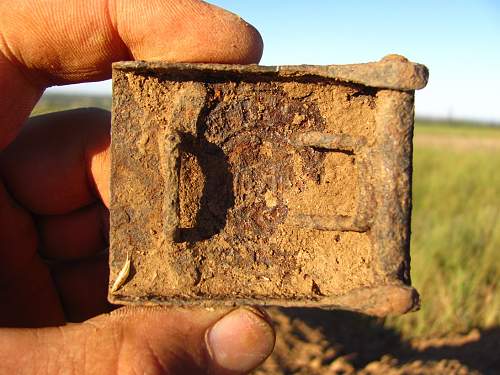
(284, 186)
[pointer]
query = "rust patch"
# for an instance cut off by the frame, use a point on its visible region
(244, 184)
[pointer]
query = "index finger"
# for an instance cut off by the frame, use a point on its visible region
(57, 42)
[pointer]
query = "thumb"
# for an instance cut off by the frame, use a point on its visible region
(143, 340)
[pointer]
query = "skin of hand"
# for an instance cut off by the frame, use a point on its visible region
(54, 172)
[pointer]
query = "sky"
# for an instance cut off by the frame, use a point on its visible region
(459, 41)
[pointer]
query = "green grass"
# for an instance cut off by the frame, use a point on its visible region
(456, 227)
(455, 238)
(461, 129)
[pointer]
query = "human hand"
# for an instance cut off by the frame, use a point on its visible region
(54, 173)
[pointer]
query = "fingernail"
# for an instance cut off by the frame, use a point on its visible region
(241, 340)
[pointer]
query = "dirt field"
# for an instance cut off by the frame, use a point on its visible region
(323, 342)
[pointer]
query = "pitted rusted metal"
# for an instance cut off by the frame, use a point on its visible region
(284, 185)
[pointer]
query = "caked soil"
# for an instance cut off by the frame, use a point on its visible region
(313, 341)
(252, 199)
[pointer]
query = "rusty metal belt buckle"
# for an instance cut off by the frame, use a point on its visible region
(286, 186)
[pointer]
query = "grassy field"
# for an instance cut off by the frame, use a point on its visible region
(455, 232)
(457, 129)
(456, 224)
(57, 102)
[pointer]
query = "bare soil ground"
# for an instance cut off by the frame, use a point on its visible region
(312, 341)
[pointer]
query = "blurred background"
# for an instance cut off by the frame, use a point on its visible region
(456, 188)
